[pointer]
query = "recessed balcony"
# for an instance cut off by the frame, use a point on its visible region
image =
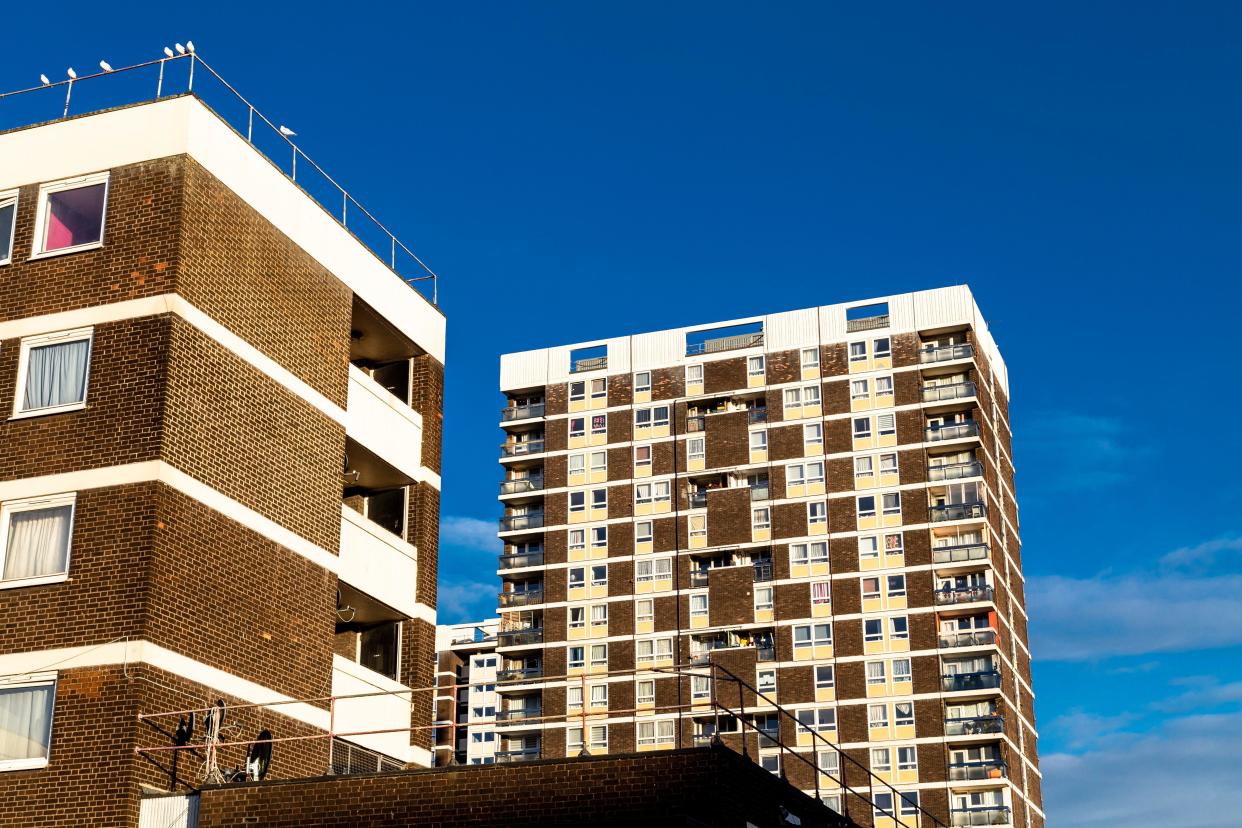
(524, 485)
(978, 770)
(955, 471)
(960, 553)
(964, 595)
(520, 638)
(953, 431)
(520, 523)
(518, 716)
(957, 511)
(519, 674)
(948, 391)
(992, 815)
(521, 412)
(521, 449)
(521, 599)
(968, 638)
(945, 353)
(962, 682)
(975, 726)
(521, 560)
(520, 755)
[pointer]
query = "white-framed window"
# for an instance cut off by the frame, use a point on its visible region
(864, 468)
(698, 605)
(881, 348)
(599, 424)
(8, 224)
(817, 720)
(700, 687)
(599, 575)
(812, 635)
(599, 388)
(907, 758)
(652, 569)
(817, 513)
(761, 518)
(866, 506)
(868, 547)
(599, 498)
(858, 351)
(577, 391)
(53, 372)
(886, 424)
(903, 714)
(653, 649)
(643, 531)
(901, 669)
(862, 427)
(696, 448)
(599, 537)
(755, 366)
(576, 463)
(575, 657)
(656, 733)
(577, 618)
(642, 457)
(642, 381)
(599, 655)
(35, 538)
(599, 614)
(876, 673)
(888, 463)
(645, 694)
(884, 386)
(877, 715)
(899, 628)
(759, 440)
(813, 434)
(829, 762)
(657, 492)
(873, 629)
(577, 540)
(573, 739)
(694, 374)
(793, 397)
(599, 695)
(573, 697)
(698, 526)
(824, 677)
(821, 592)
(763, 598)
(70, 215)
(881, 758)
(644, 610)
(766, 681)
(26, 710)
(896, 586)
(599, 461)
(577, 501)
(870, 588)
(860, 389)
(890, 503)
(576, 576)
(657, 415)
(577, 426)
(808, 553)
(771, 763)
(810, 358)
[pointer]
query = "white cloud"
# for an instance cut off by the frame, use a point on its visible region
(1181, 774)
(1203, 554)
(461, 601)
(469, 532)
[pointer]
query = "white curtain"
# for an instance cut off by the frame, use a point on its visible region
(38, 543)
(25, 722)
(56, 374)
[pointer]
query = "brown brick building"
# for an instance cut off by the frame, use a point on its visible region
(820, 502)
(220, 475)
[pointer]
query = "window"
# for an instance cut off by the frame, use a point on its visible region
(599, 498)
(599, 424)
(577, 391)
(694, 374)
(825, 718)
(812, 635)
(577, 577)
(642, 457)
(599, 655)
(881, 760)
(649, 417)
(642, 381)
(883, 386)
(696, 448)
(643, 531)
(817, 513)
(763, 598)
(70, 215)
(599, 695)
(896, 586)
(870, 588)
(652, 649)
(599, 575)
(821, 593)
(700, 687)
(901, 669)
(755, 366)
(576, 463)
(864, 468)
(577, 617)
(868, 548)
(888, 463)
(823, 677)
(577, 540)
(771, 763)
(899, 627)
(876, 673)
(766, 681)
(651, 492)
(655, 733)
(573, 697)
(808, 553)
(862, 428)
(576, 657)
(698, 605)
(881, 348)
(573, 739)
(814, 473)
(644, 611)
(758, 441)
(8, 222)
(858, 351)
(813, 434)
(873, 630)
(52, 372)
(810, 358)
(650, 569)
(793, 397)
(903, 714)
(761, 518)
(26, 723)
(599, 461)
(646, 691)
(599, 388)
(599, 613)
(599, 537)
(860, 389)
(35, 540)
(577, 426)
(866, 506)
(890, 503)
(577, 502)
(886, 424)
(907, 759)
(877, 715)
(829, 762)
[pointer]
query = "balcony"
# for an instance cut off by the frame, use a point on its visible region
(763, 571)
(953, 431)
(521, 599)
(521, 449)
(975, 726)
(377, 562)
(521, 560)
(955, 471)
(970, 638)
(985, 680)
(975, 771)
(953, 391)
(522, 755)
(963, 595)
(958, 511)
(368, 701)
(520, 638)
(517, 715)
(960, 553)
(993, 815)
(696, 423)
(519, 673)
(765, 653)
(523, 486)
(697, 500)
(758, 415)
(945, 353)
(698, 578)
(724, 343)
(760, 492)
(521, 412)
(516, 523)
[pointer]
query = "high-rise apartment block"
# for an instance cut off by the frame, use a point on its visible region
(466, 693)
(821, 504)
(220, 473)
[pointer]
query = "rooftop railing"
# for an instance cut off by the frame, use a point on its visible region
(724, 343)
(521, 412)
(945, 353)
(589, 364)
(870, 323)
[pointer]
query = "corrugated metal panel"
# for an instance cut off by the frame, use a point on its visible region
(558, 363)
(901, 318)
(169, 812)
(619, 355)
(942, 307)
(528, 369)
(832, 324)
(659, 349)
(794, 329)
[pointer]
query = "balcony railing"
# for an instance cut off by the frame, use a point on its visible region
(758, 415)
(521, 412)
(523, 755)
(955, 471)
(945, 353)
(725, 343)
(972, 771)
(763, 571)
(869, 323)
(698, 578)
(520, 560)
(954, 391)
(517, 714)
(970, 638)
(985, 680)
(519, 449)
(526, 484)
(964, 595)
(957, 511)
(697, 500)
(512, 523)
(519, 673)
(960, 553)
(993, 815)
(695, 423)
(765, 653)
(760, 492)
(953, 431)
(521, 599)
(519, 638)
(974, 726)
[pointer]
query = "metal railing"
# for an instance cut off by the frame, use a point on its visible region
(335, 200)
(513, 523)
(519, 638)
(519, 449)
(763, 571)
(760, 492)
(521, 412)
(957, 511)
(521, 599)
(945, 353)
(725, 343)
(589, 364)
(698, 578)
(870, 323)
(960, 553)
(696, 423)
(765, 653)
(758, 415)
(519, 673)
(970, 638)
(975, 726)
(517, 715)
(952, 391)
(953, 431)
(526, 484)
(991, 815)
(697, 500)
(523, 755)
(973, 771)
(963, 595)
(983, 680)
(521, 560)
(955, 471)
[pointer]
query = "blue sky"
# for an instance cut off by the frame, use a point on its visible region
(678, 163)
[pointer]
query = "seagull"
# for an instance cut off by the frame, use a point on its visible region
(104, 65)
(285, 131)
(46, 82)
(168, 51)
(72, 74)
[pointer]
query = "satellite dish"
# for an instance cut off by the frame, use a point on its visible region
(259, 759)
(185, 731)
